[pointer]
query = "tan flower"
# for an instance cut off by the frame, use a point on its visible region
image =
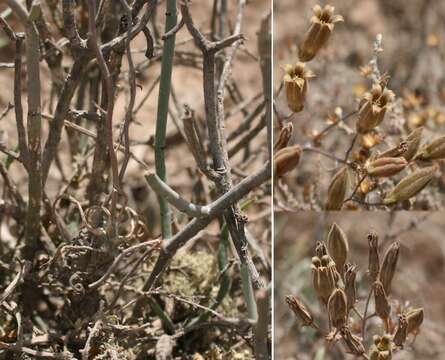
(322, 25)
(296, 85)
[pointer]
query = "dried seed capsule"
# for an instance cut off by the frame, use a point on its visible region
(389, 265)
(337, 308)
(296, 85)
(373, 258)
(338, 246)
(386, 166)
(396, 151)
(382, 307)
(415, 319)
(373, 108)
(353, 342)
(350, 288)
(413, 143)
(283, 137)
(410, 185)
(323, 277)
(300, 311)
(319, 32)
(286, 160)
(433, 151)
(401, 331)
(337, 190)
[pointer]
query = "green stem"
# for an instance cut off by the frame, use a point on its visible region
(161, 122)
(249, 295)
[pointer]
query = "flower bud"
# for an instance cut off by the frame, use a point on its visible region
(415, 319)
(286, 160)
(373, 257)
(337, 308)
(350, 287)
(389, 265)
(373, 108)
(382, 307)
(300, 311)
(338, 246)
(410, 185)
(283, 137)
(323, 23)
(433, 151)
(401, 331)
(386, 166)
(337, 190)
(296, 84)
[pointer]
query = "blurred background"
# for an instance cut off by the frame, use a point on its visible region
(419, 280)
(413, 56)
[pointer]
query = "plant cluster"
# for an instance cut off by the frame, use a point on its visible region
(368, 176)
(348, 315)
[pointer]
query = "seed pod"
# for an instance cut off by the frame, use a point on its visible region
(286, 160)
(323, 278)
(353, 342)
(415, 319)
(389, 265)
(296, 85)
(337, 308)
(373, 258)
(413, 143)
(433, 151)
(319, 32)
(337, 190)
(382, 307)
(338, 246)
(386, 166)
(401, 331)
(410, 185)
(373, 108)
(350, 288)
(300, 311)
(283, 137)
(396, 151)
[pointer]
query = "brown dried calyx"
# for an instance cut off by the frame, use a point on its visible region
(322, 25)
(283, 137)
(414, 318)
(401, 333)
(324, 277)
(337, 190)
(373, 108)
(300, 310)
(338, 308)
(407, 148)
(350, 274)
(389, 265)
(353, 342)
(373, 257)
(296, 85)
(382, 306)
(286, 160)
(386, 166)
(433, 151)
(338, 247)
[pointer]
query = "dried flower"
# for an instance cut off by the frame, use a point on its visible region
(286, 160)
(324, 277)
(414, 318)
(410, 185)
(320, 249)
(373, 258)
(433, 151)
(401, 333)
(316, 37)
(283, 137)
(300, 310)
(389, 265)
(373, 108)
(338, 246)
(381, 350)
(338, 308)
(353, 342)
(386, 166)
(337, 190)
(296, 85)
(382, 307)
(350, 274)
